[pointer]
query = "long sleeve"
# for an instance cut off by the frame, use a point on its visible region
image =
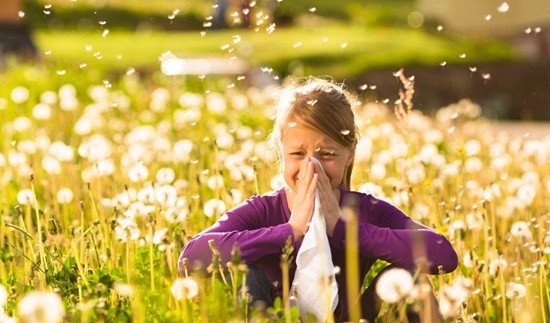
(386, 233)
(258, 227)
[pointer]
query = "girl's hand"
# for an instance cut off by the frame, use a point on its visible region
(329, 199)
(303, 198)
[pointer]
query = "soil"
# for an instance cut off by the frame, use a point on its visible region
(505, 91)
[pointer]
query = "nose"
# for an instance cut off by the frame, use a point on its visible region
(317, 162)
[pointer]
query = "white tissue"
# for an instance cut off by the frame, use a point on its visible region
(314, 280)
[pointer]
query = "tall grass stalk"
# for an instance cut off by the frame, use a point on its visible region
(352, 262)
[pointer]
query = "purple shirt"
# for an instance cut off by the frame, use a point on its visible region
(259, 226)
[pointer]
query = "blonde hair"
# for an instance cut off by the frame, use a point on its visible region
(321, 104)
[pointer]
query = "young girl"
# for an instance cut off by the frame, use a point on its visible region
(315, 124)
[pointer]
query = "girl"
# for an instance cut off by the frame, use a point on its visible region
(315, 122)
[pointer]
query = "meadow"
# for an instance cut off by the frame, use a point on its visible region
(107, 168)
(103, 183)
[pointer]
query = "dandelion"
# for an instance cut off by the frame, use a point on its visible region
(21, 124)
(65, 195)
(165, 175)
(451, 297)
(184, 288)
(138, 173)
(216, 103)
(42, 111)
(394, 285)
(20, 94)
(520, 229)
(159, 236)
(526, 194)
(125, 290)
(214, 207)
(60, 151)
(215, 182)
(51, 165)
(41, 307)
(25, 197)
(515, 290)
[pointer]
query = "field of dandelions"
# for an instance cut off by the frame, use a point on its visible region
(103, 183)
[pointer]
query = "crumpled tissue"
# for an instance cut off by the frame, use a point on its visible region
(314, 281)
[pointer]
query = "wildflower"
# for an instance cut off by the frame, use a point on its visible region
(181, 150)
(472, 147)
(25, 197)
(184, 288)
(159, 236)
(224, 140)
(123, 289)
(65, 195)
(473, 165)
(214, 207)
(165, 175)
(526, 194)
(67, 97)
(215, 103)
(394, 285)
(20, 94)
(41, 307)
(515, 290)
(51, 165)
(215, 182)
(497, 264)
(138, 173)
(452, 296)
(21, 124)
(377, 171)
(60, 151)
(42, 111)
(520, 229)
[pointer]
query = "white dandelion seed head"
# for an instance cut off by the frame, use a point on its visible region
(42, 111)
(123, 289)
(26, 197)
(526, 194)
(216, 103)
(61, 151)
(515, 290)
(497, 264)
(520, 229)
(159, 236)
(41, 307)
(472, 147)
(184, 288)
(473, 165)
(165, 175)
(51, 165)
(181, 150)
(21, 124)
(20, 94)
(215, 182)
(138, 173)
(394, 285)
(65, 195)
(377, 171)
(224, 140)
(214, 207)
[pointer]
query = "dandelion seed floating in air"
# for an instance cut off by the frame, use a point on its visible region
(504, 7)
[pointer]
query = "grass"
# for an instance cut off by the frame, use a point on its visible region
(339, 50)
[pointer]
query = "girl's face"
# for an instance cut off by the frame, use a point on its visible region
(299, 141)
